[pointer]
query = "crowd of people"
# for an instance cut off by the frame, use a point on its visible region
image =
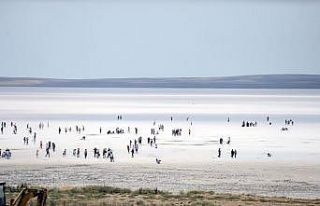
(132, 147)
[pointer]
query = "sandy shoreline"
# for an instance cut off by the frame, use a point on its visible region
(263, 179)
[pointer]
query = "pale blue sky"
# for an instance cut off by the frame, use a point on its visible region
(96, 38)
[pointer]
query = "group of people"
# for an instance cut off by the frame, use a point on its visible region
(221, 140)
(288, 122)
(49, 146)
(152, 142)
(6, 154)
(13, 125)
(26, 139)
(78, 129)
(107, 153)
(233, 151)
(133, 146)
(249, 124)
(176, 132)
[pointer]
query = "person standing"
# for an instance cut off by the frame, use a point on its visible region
(232, 153)
(47, 152)
(85, 153)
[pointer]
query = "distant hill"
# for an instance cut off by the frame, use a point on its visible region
(283, 81)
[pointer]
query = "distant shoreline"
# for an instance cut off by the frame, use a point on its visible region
(281, 81)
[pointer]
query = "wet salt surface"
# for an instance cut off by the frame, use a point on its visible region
(188, 162)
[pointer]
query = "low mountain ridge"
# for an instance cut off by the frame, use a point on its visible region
(283, 81)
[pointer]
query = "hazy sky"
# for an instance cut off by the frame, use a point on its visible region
(153, 38)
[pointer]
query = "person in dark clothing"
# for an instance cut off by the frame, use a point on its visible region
(221, 141)
(47, 152)
(228, 142)
(53, 146)
(85, 153)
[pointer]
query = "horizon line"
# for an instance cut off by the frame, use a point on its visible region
(160, 77)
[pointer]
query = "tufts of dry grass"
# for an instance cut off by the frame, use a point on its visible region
(104, 195)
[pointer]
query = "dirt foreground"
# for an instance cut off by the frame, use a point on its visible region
(96, 195)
